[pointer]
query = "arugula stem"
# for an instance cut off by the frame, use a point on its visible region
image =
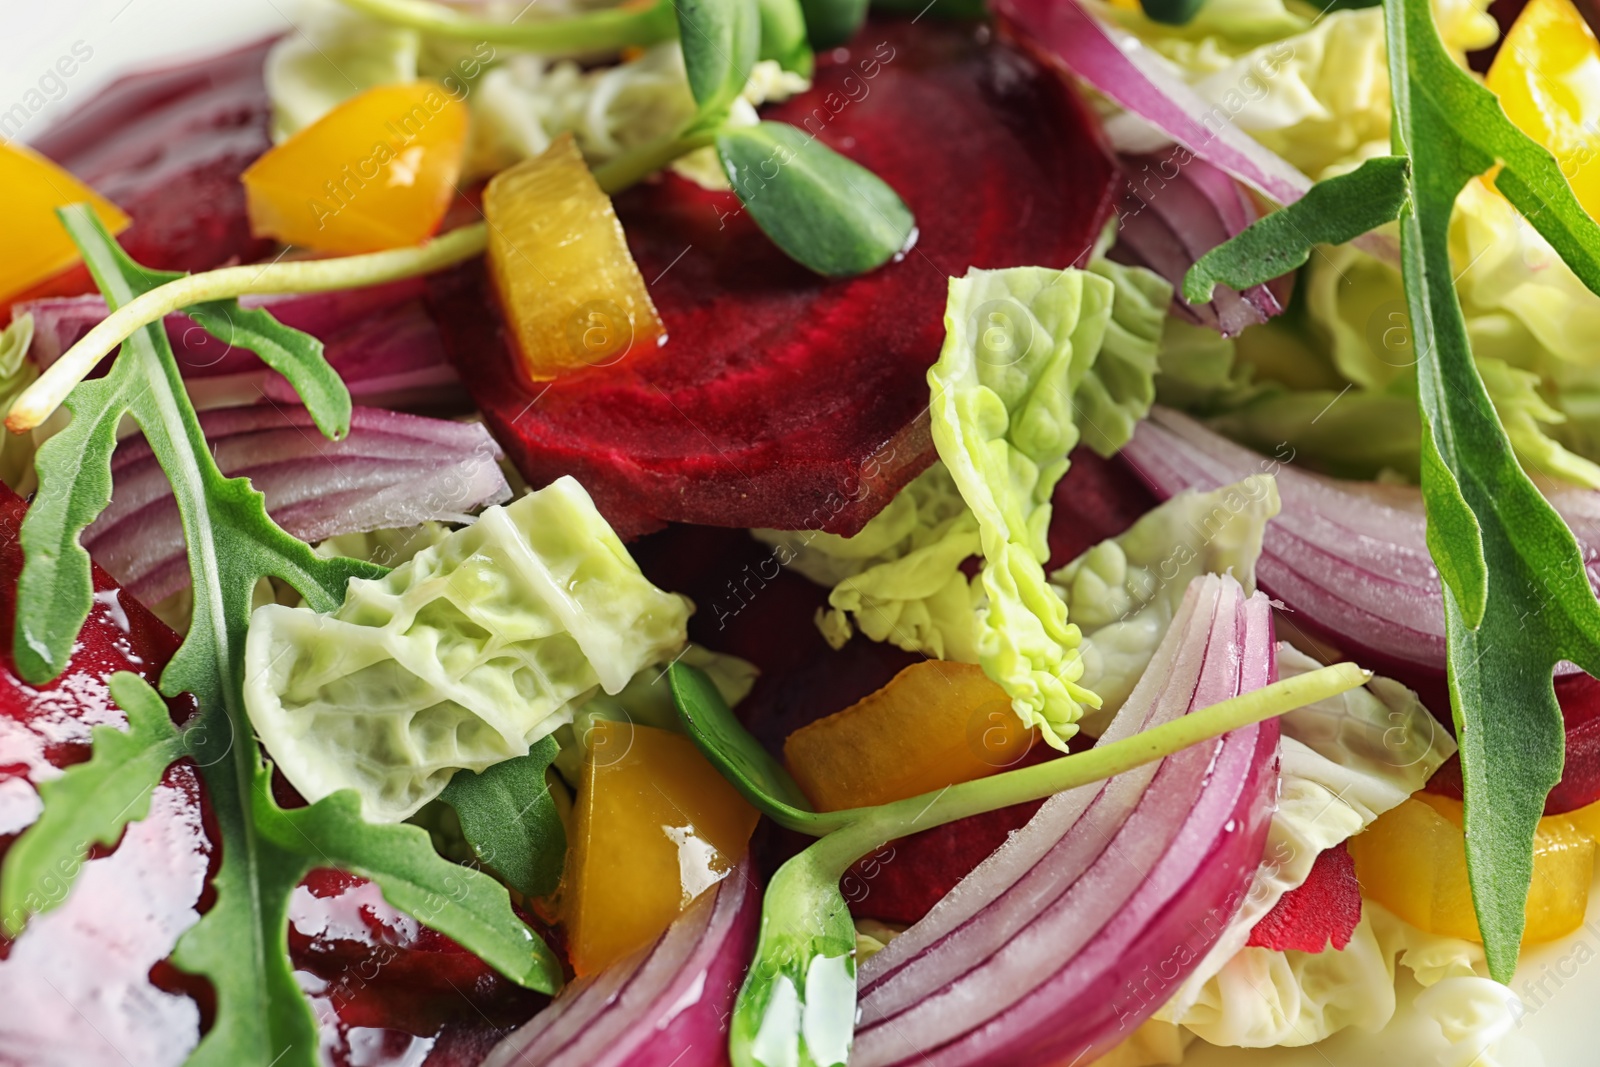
(596, 31)
(877, 825)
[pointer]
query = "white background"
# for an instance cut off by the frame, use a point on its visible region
(1563, 979)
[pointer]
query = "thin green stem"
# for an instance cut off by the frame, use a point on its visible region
(40, 399)
(631, 167)
(596, 31)
(870, 827)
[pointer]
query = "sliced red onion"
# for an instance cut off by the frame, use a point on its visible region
(1166, 223)
(381, 340)
(1118, 65)
(665, 1006)
(1349, 558)
(1085, 921)
(392, 470)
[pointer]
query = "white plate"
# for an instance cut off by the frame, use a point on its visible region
(1558, 982)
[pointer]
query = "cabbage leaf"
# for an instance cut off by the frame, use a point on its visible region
(1123, 592)
(458, 659)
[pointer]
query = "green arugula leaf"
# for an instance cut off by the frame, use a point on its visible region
(783, 35)
(457, 901)
(1171, 12)
(721, 40)
(240, 944)
(826, 212)
(292, 353)
(1517, 599)
(1332, 212)
(91, 803)
(510, 819)
(830, 23)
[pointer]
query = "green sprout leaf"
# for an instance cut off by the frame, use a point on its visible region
(825, 211)
(721, 40)
(511, 821)
(91, 803)
(830, 23)
(241, 943)
(783, 35)
(1332, 212)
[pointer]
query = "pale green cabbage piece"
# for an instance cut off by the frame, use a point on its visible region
(1312, 87)
(1048, 358)
(1123, 592)
(458, 659)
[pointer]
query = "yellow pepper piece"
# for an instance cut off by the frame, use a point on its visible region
(656, 826)
(376, 172)
(1412, 860)
(935, 724)
(1547, 76)
(570, 289)
(33, 245)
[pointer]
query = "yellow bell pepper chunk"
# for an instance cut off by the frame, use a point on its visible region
(570, 289)
(656, 826)
(1547, 76)
(1413, 861)
(378, 171)
(33, 245)
(935, 724)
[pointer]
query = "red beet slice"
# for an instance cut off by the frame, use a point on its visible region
(1321, 911)
(168, 148)
(780, 398)
(1579, 697)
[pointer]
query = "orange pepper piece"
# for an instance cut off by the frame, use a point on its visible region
(569, 287)
(655, 826)
(378, 171)
(1413, 861)
(935, 724)
(34, 247)
(1547, 76)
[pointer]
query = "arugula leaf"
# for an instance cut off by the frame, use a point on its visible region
(457, 901)
(292, 353)
(91, 803)
(721, 40)
(1332, 212)
(510, 819)
(240, 944)
(1517, 599)
(1171, 12)
(826, 212)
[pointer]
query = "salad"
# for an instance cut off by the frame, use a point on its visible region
(788, 533)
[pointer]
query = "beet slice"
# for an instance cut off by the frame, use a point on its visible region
(168, 147)
(1321, 911)
(780, 398)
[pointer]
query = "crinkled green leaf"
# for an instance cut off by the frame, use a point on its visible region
(510, 820)
(1334, 211)
(1117, 392)
(826, 212)
(91, 803)
(470, 651)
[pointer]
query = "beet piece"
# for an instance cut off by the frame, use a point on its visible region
(1324, 909)
(168, 148)
(780, 398)
(1579, 697)
(1098, 499)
